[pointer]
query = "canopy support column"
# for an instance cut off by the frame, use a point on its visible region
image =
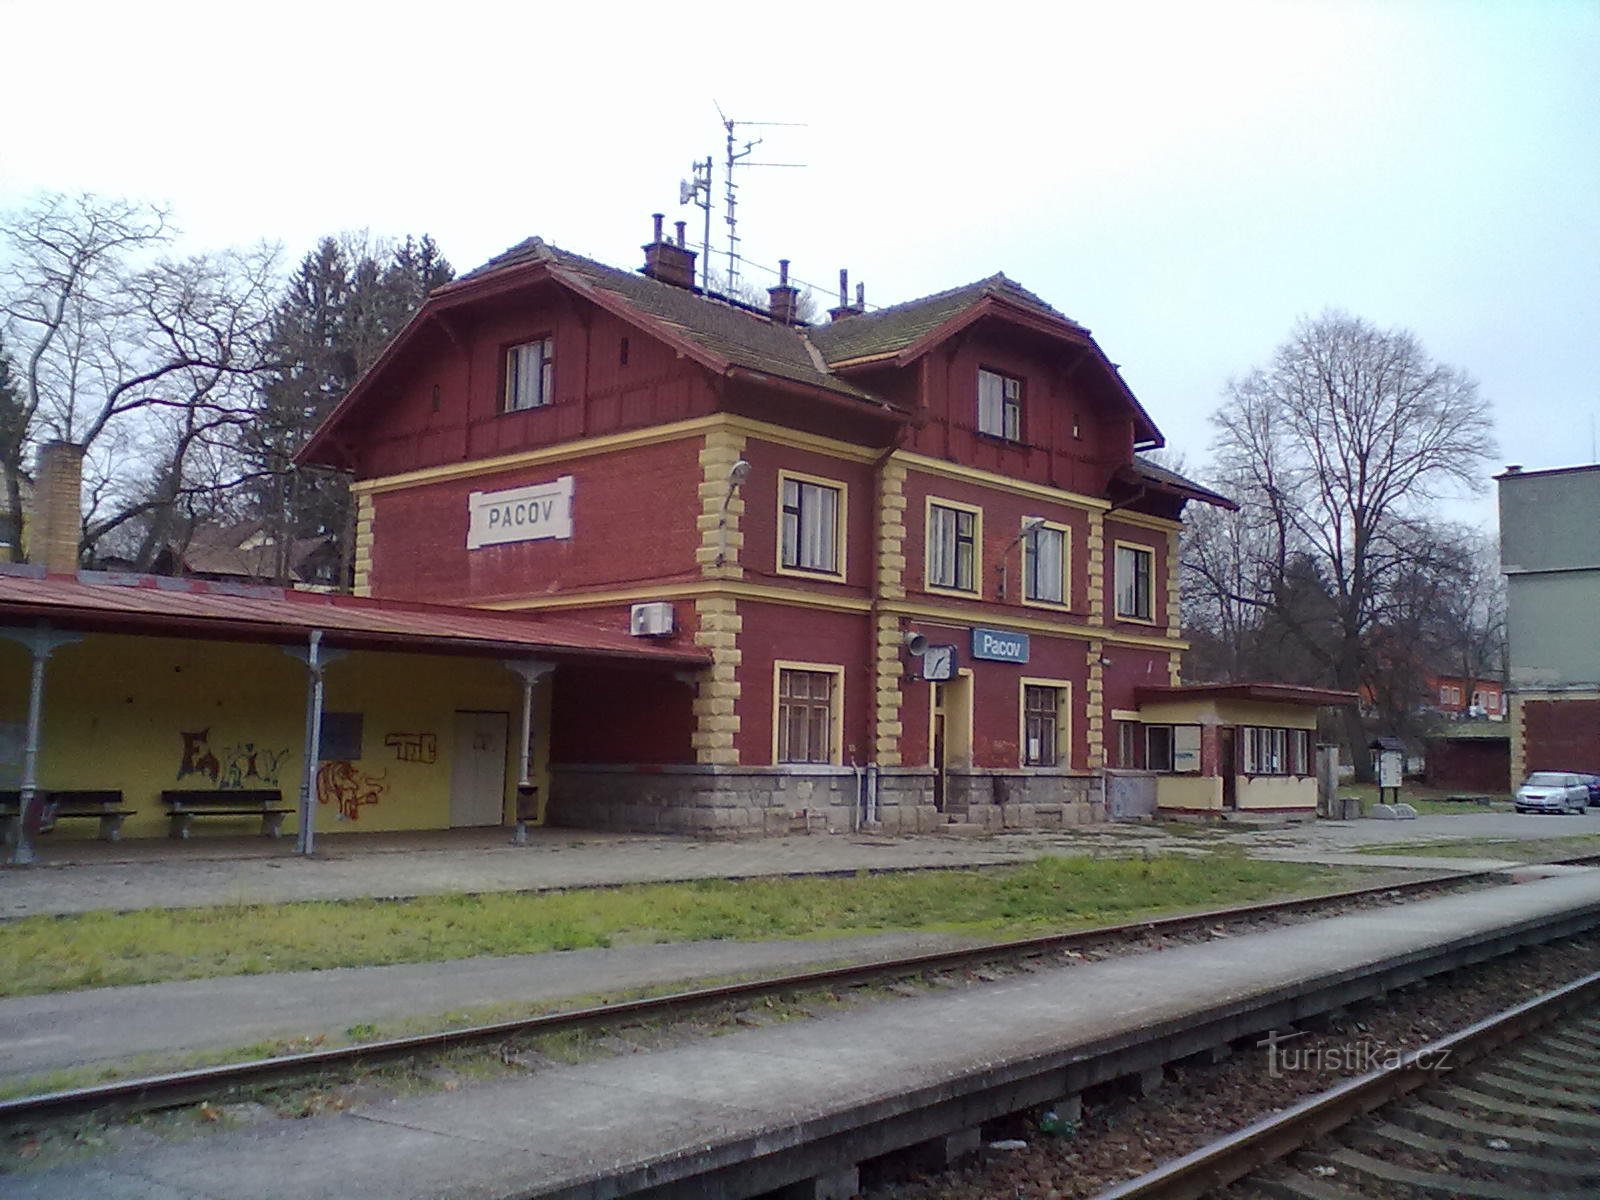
(530, 672)
(41, 642)
(317, 660)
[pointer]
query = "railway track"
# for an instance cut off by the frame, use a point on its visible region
(1506, 1109)
(207, 1083)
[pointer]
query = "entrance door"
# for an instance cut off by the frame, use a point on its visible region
(950, 732)
(1227, 762)
(478, 770)
(937, 745)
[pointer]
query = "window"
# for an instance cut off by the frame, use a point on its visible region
(528, 375)
(341, 737)
(1174, 749)
(952, 548)
(1135, 582)
(1000, 405)
(1130, 744)
(809, 520)
(807, 711)
(1044, 565)
(1276, 751)
(1041, 726)
(8, 529)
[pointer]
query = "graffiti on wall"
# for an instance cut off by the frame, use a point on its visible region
(413, 747)
(197, 756)
(249, 765)
(341, 784)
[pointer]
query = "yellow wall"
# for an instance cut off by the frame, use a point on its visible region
(1203, 711)
(1189, 791)
(1277, 791)
(117, 708)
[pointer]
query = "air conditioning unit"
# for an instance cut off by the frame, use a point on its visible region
(652, 620)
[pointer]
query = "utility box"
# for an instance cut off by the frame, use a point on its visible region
(652, 620)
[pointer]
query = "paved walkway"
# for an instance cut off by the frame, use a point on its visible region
(558, 1126)
(102, 1025)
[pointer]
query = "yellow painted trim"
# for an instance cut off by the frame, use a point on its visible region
(694, 590)
(799, 440)
(1063, 722)
(1004, 483)
(1119, 544)
(969, 617)
(841, 527)
(1125, 714)
(964, 677)
(836, 709)
(1065, 603)
(1144, 520)
(929, 503)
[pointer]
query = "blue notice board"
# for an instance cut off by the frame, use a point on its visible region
(1000, 645)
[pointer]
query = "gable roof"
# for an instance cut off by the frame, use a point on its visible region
(1147, 473)
(889, 330)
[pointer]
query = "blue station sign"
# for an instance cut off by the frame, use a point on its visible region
(1000, 645)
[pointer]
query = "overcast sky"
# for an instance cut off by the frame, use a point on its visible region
(1185, 179)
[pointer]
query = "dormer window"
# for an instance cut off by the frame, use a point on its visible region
(999, 405)
(529, 368)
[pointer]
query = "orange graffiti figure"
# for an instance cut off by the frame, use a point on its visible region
(339, 783)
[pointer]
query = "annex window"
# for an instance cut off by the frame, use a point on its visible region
(807, 711)
(1000, 405)
(809, 519)
(529, 373)
(1135, 582)
(952, 548)
(1270, 751)
(1130, 745)
(1174, 749)
(1042, 725)
(1044, 565)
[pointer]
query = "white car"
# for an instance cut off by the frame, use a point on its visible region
(1552, 791)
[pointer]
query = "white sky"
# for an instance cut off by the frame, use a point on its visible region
(1185, 179)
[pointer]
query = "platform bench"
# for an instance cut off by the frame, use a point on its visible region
(101, 804)
(185, 804)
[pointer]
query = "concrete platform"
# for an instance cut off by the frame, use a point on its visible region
(803, 1092)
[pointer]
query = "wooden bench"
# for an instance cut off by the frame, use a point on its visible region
(101, 804)
(185, 804)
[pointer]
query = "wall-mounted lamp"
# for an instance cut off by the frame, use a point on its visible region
(737, 474)
(1030, 526)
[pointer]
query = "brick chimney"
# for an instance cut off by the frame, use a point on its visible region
(785, 299)
(845, 308)
(57, 525)
(669, 261)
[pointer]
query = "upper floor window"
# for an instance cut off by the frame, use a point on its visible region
(810, 523)
(529, 368)
(999, 405)
(1044, 565)
(1135, 582)
(952, 548)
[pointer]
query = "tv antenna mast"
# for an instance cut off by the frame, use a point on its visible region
(736, 157)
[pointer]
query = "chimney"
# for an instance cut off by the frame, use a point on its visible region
(846, 309)
(669, 261)
(785, 299)
(57, 508)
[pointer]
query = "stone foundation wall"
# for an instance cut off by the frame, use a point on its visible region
(756, 801)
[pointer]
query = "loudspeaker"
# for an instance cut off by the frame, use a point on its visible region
(915, 643)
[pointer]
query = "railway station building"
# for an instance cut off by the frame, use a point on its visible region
(896, 569)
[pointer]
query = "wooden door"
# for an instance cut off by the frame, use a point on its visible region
(1227, 764)
(478, 770)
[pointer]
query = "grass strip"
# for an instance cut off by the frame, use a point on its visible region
(61, 953)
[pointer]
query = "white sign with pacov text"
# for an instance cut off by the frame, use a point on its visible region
(524, 514)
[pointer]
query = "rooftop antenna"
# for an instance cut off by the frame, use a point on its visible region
(736, 158)
(696, 190)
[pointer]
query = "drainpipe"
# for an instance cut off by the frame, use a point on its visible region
(857, 819)
(872, 793)
(40, 642)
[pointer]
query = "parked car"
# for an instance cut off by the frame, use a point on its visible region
(1592, 782)
(1553, 791)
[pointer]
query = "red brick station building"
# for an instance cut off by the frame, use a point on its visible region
(902, 568)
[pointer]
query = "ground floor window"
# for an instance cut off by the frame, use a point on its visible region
(1172, 748)
(1130, 745)
(1269, 751)
(1041, 726)
(806, 712)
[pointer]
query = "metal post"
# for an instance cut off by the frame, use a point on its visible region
(41, 642)
(530, 673)
(317, 660)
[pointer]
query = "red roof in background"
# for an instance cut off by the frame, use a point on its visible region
(1271, 693)
(152, 604)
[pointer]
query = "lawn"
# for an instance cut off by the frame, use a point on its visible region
(1429, 801)
(1512, 849)
(47, 954)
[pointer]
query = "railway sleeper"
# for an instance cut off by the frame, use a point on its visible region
(1381, 1135)
(1360, 1169)
(1496, 1084)
(1428, 1118)
(1499, 1106)
(1560, 1075)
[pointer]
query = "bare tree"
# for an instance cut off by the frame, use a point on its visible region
(1338, 449)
